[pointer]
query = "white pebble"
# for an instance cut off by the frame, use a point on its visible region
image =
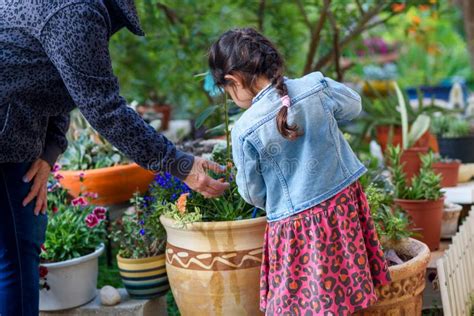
(109, 296)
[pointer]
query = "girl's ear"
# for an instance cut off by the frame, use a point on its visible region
(234, 80)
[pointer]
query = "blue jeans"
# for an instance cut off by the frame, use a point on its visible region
(21, 236)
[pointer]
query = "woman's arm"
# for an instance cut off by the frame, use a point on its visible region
(76, 40)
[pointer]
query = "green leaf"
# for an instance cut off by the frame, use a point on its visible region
(205, 115)
(418, 128)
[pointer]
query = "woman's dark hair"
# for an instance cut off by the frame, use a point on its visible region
(251, 55)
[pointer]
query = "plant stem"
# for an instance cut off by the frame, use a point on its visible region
(227, 136)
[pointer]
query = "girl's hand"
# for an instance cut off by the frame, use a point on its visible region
(198, 179)
(39, 173)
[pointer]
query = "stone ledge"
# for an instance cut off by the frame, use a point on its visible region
(128, 307)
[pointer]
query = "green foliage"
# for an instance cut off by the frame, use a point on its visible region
(424, 186)
(450, 127)
(68, 235)
(391, 223)
(139, 232)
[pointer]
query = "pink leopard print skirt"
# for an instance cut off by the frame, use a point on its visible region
(323, 261)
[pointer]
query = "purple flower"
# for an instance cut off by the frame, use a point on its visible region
(56, 168)
(142, 232)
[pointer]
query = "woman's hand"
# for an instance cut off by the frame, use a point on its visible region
(199, 181)
(39, 173)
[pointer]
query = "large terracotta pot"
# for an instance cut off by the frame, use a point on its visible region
(404, 295)
(144, 278)
(449, 172)
(383, 138)
(411, 161)
(113, 185)
(426, 217)
(214, 267)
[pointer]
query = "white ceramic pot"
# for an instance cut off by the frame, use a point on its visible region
(449, 224)
(72, 283)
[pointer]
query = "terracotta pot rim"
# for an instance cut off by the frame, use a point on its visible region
(126, 167)
(420, 258)
(225, 225)
(420, 201)
(141, 260)
(453, 164)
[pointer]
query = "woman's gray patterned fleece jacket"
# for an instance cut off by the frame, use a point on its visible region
(54, 57)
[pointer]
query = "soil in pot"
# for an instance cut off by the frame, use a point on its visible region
(404, 295)
(426, 217)
(144, 278)
(461, 148)
(411, 161)
(214, 267)
(449, 172)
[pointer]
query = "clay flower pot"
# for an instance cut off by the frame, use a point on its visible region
(404, 295)
(449, 225)
(214, 267)
(411, 161)
(113, 184)
(426, 219)
(383, 138)
(144, 278)
(449, 172)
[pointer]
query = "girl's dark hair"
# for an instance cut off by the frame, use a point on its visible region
(251, 55)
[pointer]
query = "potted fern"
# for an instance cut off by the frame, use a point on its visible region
(422, 198)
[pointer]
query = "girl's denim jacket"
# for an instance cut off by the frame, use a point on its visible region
(283, 176)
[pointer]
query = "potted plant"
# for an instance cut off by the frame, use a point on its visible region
(408, 258)
(451, 213)
(422, 199)
(382, 117)
(214, 249)
(448, 169)
(94, 165)
(73, 244)
(454, 137)
(142, 240)
(156, 105)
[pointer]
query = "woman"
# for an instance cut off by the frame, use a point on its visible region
(54, 57)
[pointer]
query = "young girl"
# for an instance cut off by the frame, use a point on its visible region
(321, 253)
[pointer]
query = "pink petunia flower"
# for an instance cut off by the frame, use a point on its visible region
(58, 176)
(100, 212)
(92, 220)
(56, 168)
(79, 201)
(54, 209)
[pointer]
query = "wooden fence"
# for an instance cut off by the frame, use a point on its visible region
(456, 271)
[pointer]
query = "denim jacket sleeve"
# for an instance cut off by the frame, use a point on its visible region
(347, 103)
(76, 40)
(56, 142)
(249, 177)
